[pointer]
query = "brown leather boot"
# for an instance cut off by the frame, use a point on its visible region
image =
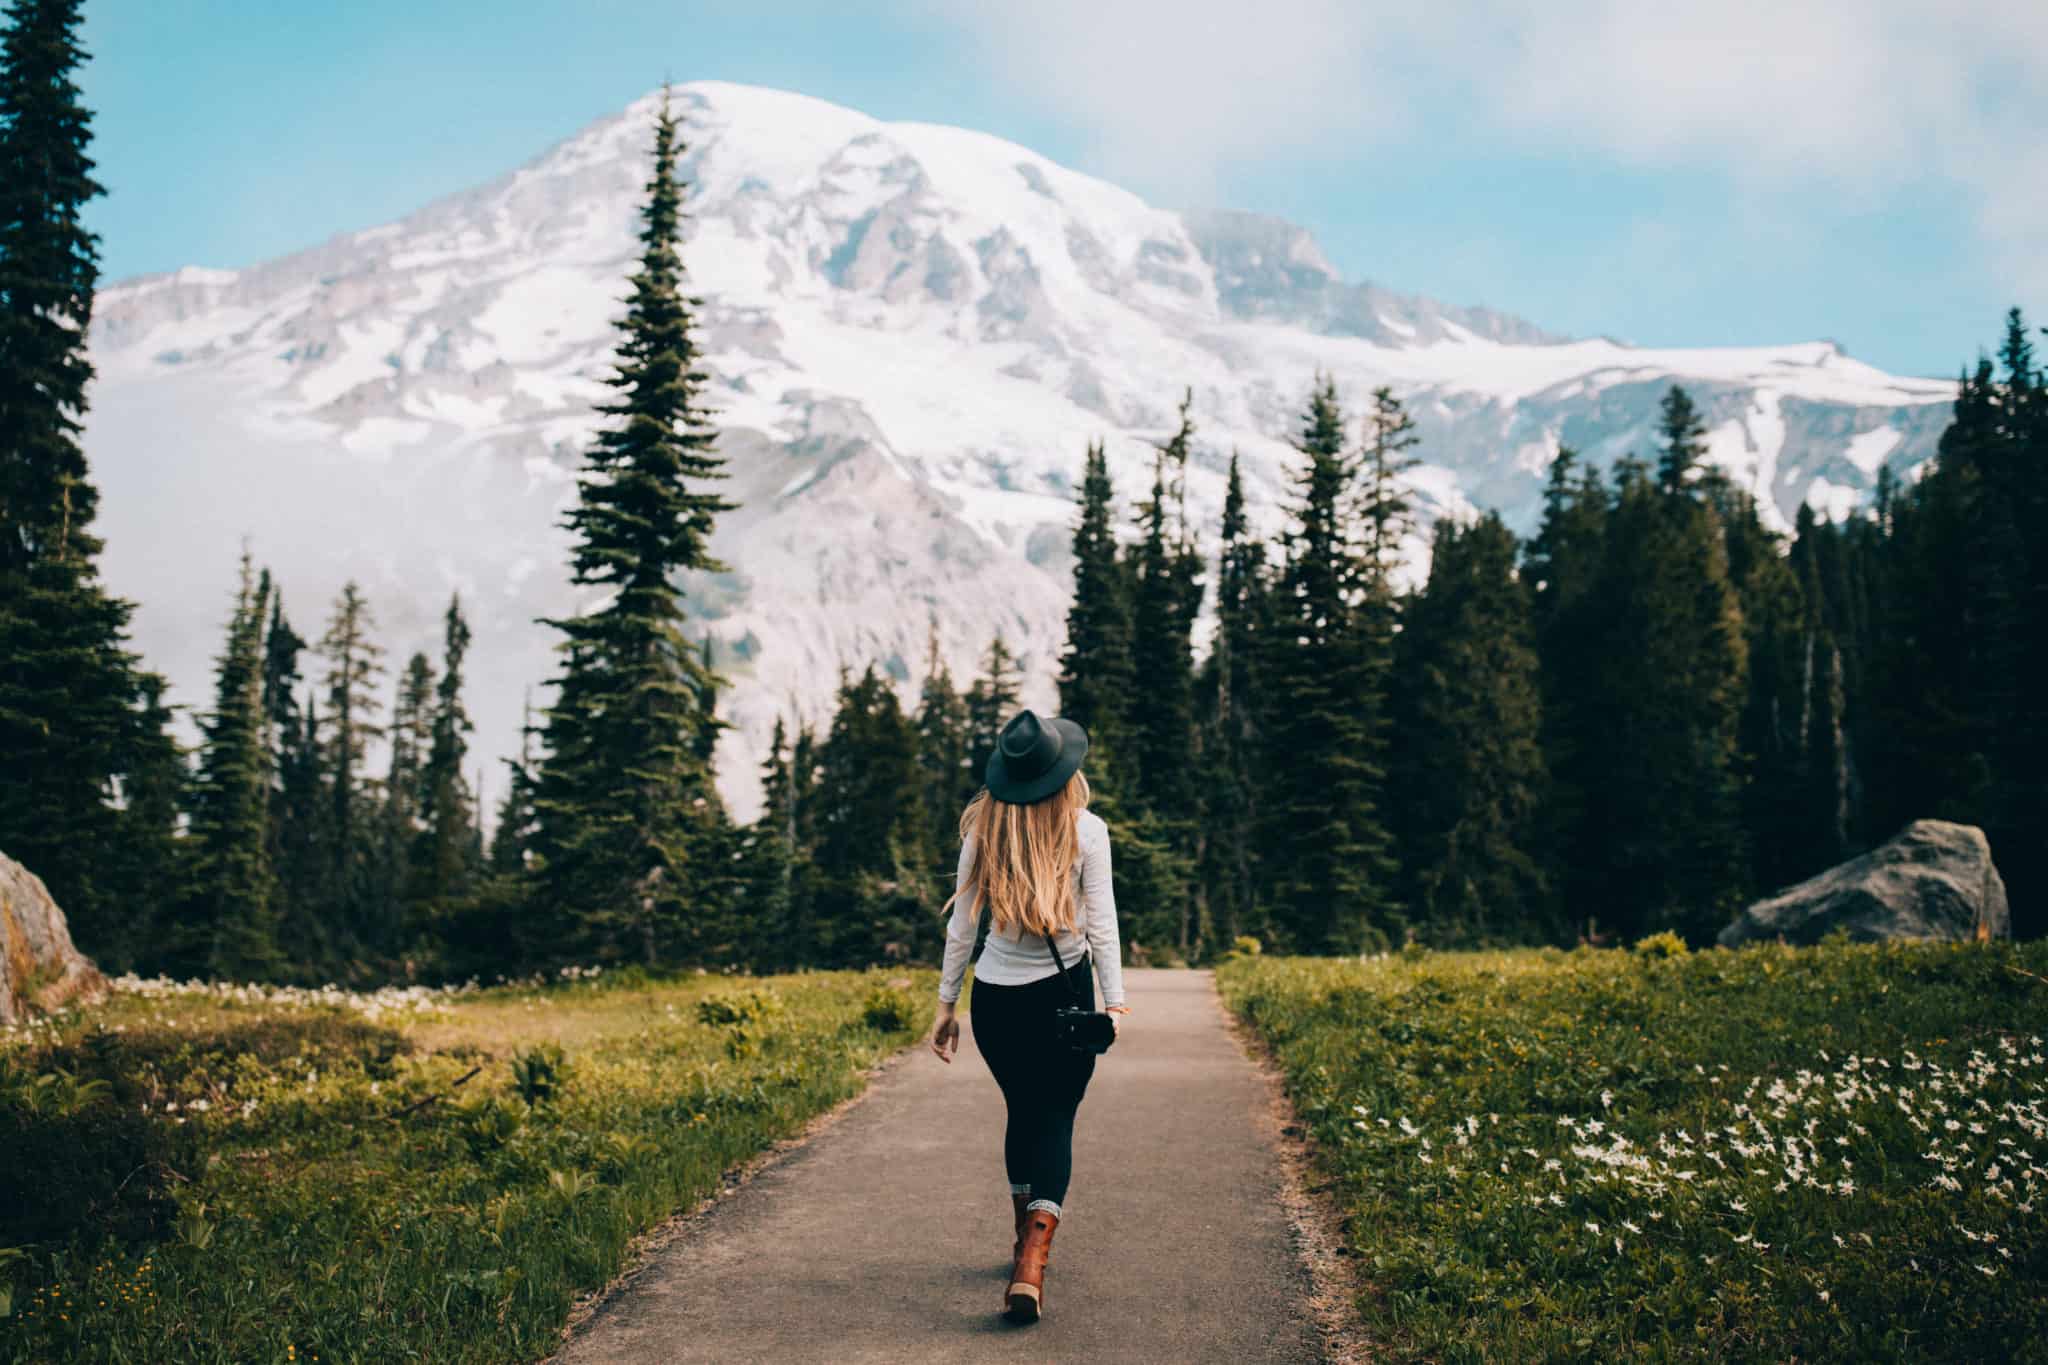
(1025, 1299)
(1017, 1203)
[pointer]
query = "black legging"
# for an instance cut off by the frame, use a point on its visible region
(1042, 1081)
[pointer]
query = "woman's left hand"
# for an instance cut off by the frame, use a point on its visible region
(946, 1033)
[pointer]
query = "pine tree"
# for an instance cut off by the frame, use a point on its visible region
(354, 663)
(942, 756)
(874, 892)
(310, 937)
(1096, 672)
(991, 702)
(151, 858)
(805, 941)
(1327, 865)
(1469, 760)
(1229, 694)
(1665, 807)
(514, 828)
(446, 861)
(1823, 808)
(299, 807)
(1164, 573)
(229, 930)
(625, 783)
(1097, 685)
(1958, 725)
(1386, 515)
(1163, 603)
(74, 703)
(1684, 437)
(399, 825)
(778, 923)
(1385, 509)
(1563, 572)
(1772, 747)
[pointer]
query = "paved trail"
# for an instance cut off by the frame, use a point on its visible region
(887, 1238)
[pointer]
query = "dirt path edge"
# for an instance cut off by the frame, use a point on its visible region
(1313, 1216)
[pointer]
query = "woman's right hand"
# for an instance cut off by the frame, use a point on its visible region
(946, 1032)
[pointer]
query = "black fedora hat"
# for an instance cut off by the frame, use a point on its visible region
(1033, 758)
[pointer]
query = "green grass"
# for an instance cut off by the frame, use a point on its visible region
(1770, 1154)
(255, 1177)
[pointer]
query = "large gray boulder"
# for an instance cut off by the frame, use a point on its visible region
(39, 966)
(1933, 880)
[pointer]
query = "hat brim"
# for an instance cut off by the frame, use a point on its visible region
(1073, 749)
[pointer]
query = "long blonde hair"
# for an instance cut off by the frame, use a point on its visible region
(1023, 865)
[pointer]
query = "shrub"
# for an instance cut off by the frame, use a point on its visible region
(539, 1072)
(488, 1123)
(889, 1009)
(1248, 945)
(754, 1005)
(1664, 945)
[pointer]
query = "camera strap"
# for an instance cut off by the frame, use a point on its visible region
(1088, 1004)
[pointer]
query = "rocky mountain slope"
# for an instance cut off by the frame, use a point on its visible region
(913, 332)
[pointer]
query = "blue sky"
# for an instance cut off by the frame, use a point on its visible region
(1719, 172)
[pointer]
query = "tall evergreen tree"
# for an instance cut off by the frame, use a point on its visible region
(874, 887)
(1684, 437)
(942, 756)
(1563, 574)
(1469, 759)
(1958, 725)
(513, 831)
(1164, 597)
(308, 932)
(1385, 510)
(1779, 829)
(778, 936)
(230, 929)
(447, 861)
(1328, 869)
(1164, 574)
(299, 806)
(150, 862)
(1824, 772)
(1666, 809)
(74, 702)
(1097, 686)
(354, 664)
(398, 826)
(1096, 671)
(991, 701)
(1229, 695)
(626, 768)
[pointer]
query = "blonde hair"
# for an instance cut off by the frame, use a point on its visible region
(1024, 856)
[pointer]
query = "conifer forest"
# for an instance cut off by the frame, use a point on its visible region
(1650, 711)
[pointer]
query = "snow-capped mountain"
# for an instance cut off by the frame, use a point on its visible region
(913, 333)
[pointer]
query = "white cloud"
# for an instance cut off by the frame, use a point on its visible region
(1871, 98)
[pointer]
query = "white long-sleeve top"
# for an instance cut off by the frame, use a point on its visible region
(1013, 959)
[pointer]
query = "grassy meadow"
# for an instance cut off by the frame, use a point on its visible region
(1831, 1153)
(221, 1173)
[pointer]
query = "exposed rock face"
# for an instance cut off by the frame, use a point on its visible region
(407, 406)
(39, 966)
(1933, 880)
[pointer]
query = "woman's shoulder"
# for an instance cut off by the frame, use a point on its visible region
(1092, 827)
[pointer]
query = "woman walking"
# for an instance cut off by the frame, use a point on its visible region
(1034, 869)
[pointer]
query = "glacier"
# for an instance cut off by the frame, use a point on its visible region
(912, 332)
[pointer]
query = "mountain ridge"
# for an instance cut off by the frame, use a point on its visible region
(912, 332)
